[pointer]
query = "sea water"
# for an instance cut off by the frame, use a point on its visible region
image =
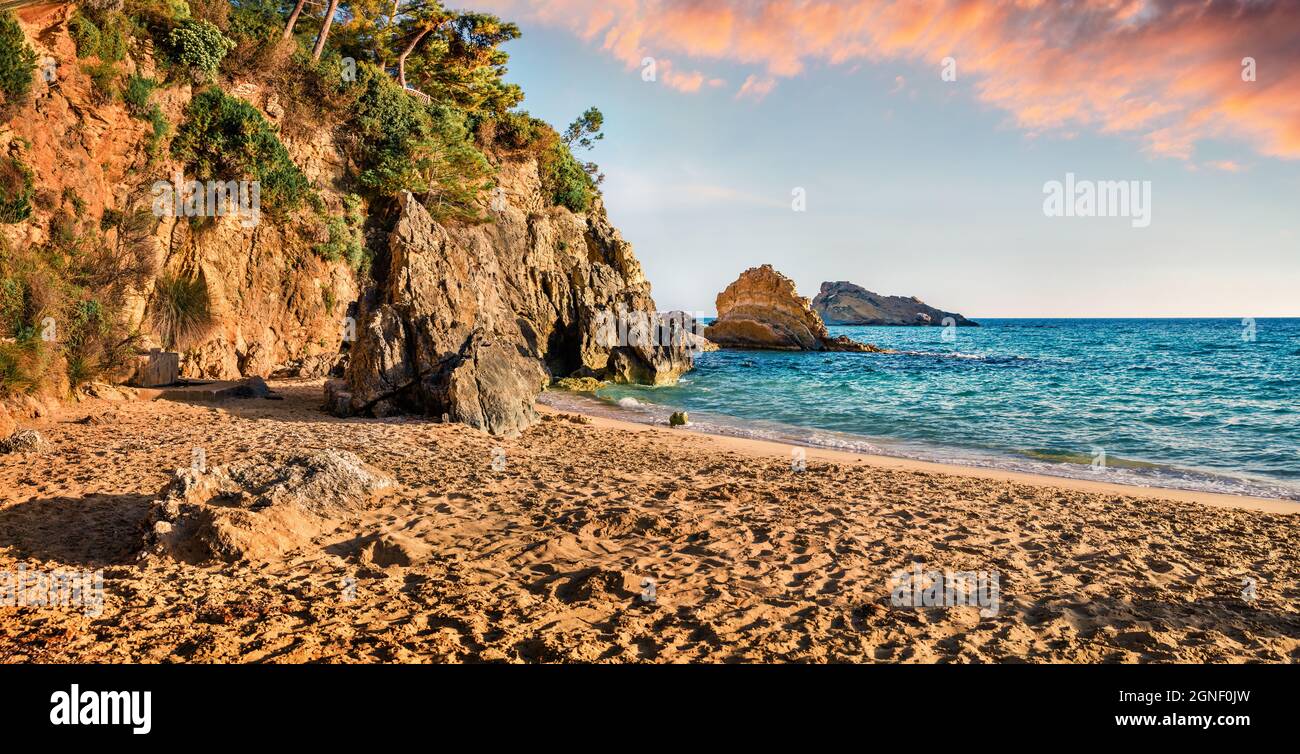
(1203, 404)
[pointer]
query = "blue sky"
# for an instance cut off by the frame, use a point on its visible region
(914, 187)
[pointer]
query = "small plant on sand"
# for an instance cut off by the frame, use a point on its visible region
(181, 311)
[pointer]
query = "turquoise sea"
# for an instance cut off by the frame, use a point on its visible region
(1207, 404)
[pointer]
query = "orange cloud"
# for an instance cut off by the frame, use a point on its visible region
(1168, 72)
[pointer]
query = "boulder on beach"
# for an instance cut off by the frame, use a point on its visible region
(259, 508)
(762, 310)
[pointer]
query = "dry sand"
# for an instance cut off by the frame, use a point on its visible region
(545, 558)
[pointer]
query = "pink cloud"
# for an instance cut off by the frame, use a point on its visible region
(756, 87)
(1167, 72)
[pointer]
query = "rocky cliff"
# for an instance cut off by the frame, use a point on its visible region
(844, 303)
(471, 321)
(275, 305)
(762, 310)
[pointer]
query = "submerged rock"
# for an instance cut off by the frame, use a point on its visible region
(259, 508)
(844, 303)
(763, 310)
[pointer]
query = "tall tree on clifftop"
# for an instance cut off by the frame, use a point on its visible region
(293, 19)
(325, 30)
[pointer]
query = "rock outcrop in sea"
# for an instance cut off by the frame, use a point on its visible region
(762, 310)
(844, 303)
(472, 321)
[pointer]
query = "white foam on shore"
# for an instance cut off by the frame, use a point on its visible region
(1156, 477)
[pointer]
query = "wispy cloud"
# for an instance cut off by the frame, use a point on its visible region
(1166, 71)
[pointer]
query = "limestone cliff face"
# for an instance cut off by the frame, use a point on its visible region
(844, 303)
(762, 310)
(472, 321)
(277, 305)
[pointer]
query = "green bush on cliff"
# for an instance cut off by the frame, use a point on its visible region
(61, 302)
(105, 40)
(408, 144)
(256, 20)
(565, 179)
(136, 94)
(17, 60)
(16, 190)
(161, 128)
(346, 238)
(103, 81)
(200, 46)
(226, 138)
(181, 311)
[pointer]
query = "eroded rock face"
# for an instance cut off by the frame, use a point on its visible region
(273, 299)
(844, 303)
(473, 321)
(259, 508)
(762, 310)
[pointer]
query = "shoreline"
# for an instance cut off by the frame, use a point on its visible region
(769, 448)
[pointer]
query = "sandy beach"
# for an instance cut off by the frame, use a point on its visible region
(592, 540)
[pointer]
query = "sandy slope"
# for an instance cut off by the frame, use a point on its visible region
(544, 560)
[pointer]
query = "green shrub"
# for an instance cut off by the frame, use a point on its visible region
(161, 128)
(82, 280)
(225, 137)
(22, 366)
(17, 60)
(157, 17)
(181, 310)
(13, 298)
(106, 40)
(565, 179)
(103, 81)
(519, 131)
(346, 237)
(200, 46)
(85, 35)
(136, 95)
(16, 190)
(406, 144)
(256, 21)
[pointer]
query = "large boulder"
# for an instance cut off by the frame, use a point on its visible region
(258, 508)
(762, 310)
(844, 303)
(472, 321)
